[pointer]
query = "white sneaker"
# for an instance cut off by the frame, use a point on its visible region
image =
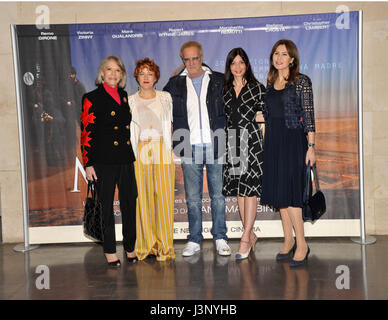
(190, 249)
(223, 248)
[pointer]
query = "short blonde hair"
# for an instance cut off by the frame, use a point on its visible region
(123, 80)
(190, 44)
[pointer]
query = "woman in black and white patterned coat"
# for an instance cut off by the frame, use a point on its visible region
(243, 97)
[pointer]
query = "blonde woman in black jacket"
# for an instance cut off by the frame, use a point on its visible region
(107, 153)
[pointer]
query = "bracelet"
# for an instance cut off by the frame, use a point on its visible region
(311, 145)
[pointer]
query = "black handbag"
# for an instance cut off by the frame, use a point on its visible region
(92, 221)
(314, 206)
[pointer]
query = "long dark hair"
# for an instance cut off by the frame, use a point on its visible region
(248, 76)
(294, 67)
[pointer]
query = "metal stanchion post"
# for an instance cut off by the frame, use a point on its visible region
(26, 246)
(363, 239)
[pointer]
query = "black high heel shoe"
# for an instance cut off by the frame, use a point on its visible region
(116, 263)
(295, 263)
(131, 259)
(284, 256)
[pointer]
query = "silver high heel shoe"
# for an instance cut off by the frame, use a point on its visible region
(241, 255)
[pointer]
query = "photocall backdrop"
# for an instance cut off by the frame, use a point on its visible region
(51, 103)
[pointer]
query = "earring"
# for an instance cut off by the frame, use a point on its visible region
(291, 64)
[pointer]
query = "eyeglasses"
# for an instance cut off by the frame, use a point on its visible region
(194, 59)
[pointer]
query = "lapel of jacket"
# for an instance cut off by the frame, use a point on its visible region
(211, 88)
(247, 94)
(123, 98)
(227, 98)
(183, 87)
(109, 97)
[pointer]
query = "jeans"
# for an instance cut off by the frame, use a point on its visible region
(193, 180)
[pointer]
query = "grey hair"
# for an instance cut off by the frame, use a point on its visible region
(189, 44)
(123, 80)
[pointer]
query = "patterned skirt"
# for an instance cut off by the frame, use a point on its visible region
(242, 170)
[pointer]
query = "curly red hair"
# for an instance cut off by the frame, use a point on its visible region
(150, 65)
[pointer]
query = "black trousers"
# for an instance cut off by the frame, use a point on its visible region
(122, 175)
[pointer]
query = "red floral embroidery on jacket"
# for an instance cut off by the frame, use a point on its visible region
(87, 117)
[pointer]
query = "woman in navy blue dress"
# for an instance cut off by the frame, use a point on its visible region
(288, 145)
